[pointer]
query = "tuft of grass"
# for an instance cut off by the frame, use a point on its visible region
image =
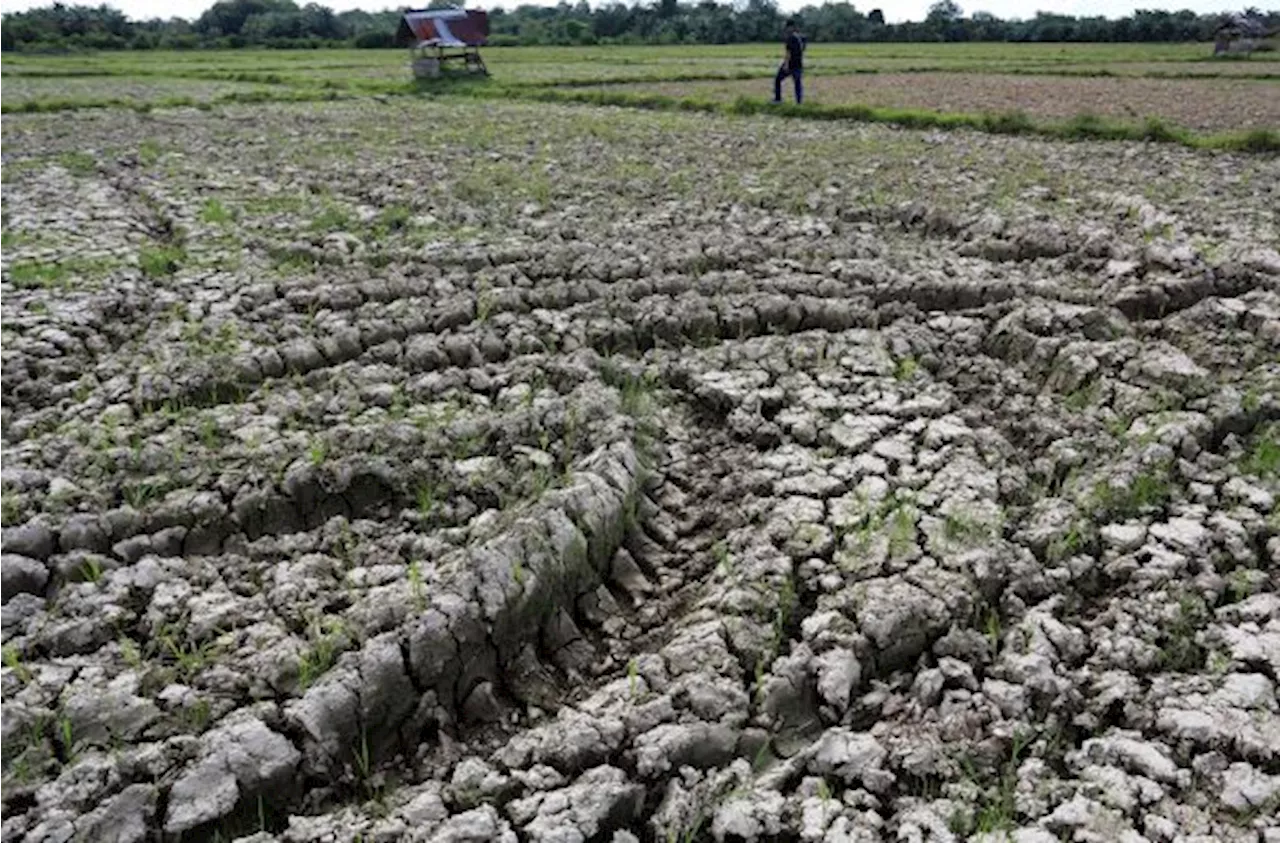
(189, 658)
(91, 571)
(34, 275)
(1149, 490)
(906, 368)
(993, 629)
(416, 586)
(724, 559)
(1157, 130)
(161, 261)
(1066, 545)
(1264, 458)
(317, 452)
(1008, 123)
(1179, 650)
(394, 218)
(149, 152)
(902, 530)
(215, 212)
(961, 529)
(131, 654)
(285, 259)
(364, 768)
(79, 163)
(997, 809)
(327, 642)
(10, 507)
(138, 493)
(13, 661)
(1084, 397)
(427, 498)
(197, 716)
(332, 218)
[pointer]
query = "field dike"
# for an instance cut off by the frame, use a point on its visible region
(832, 520)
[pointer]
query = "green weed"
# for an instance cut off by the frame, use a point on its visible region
(394, 218)
(1148, 490)
(1179, 650)
(138, 494)
(905, 369)
(197, 715)
(427, 498)
(1084, 397)
(215, 213)
(66, 737)
(189, 658)
(10, 507)
(1066, 545)
(902, 530)
(149, 152)
(32, 275)
(1263, 459)
(961, 529)
(91, 571)
(327, 639)
(13, 661)
(993, 629)
(723, 559)
(79, 163)
(317, 451)
(131, 654)
(416, 587)
(161, 261)
(997, 809)
(332, 218)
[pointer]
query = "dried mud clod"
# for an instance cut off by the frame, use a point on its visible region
(909, 487)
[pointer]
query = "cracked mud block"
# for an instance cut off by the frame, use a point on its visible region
(369, 508)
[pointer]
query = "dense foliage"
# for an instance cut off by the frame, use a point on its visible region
(283, 23)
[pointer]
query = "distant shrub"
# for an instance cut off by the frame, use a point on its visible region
(374, 40)
(179, 42)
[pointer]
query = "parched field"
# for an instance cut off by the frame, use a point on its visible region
(1201, 104)
(436, 467)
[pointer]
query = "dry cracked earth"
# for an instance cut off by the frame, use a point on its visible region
(445, 471)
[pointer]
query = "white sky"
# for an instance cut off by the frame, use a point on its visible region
(894, 11)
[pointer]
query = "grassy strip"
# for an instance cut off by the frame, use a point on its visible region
(298, 78)
(144, 106)
(1083, 127)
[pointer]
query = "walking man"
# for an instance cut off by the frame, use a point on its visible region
(792, 64)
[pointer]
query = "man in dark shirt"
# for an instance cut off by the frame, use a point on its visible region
(792, 64)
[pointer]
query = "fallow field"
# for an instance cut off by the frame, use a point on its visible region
(595, 454)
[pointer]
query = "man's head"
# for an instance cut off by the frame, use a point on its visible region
(790, 27)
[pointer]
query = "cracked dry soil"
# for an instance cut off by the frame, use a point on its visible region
(470, 472)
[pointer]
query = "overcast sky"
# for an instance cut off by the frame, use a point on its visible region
(893, 11)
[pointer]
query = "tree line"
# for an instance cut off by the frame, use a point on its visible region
(285, 24)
